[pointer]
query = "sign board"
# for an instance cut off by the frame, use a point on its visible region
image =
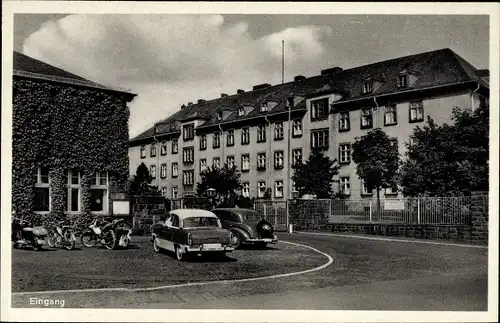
(121, 208)
(394, 205)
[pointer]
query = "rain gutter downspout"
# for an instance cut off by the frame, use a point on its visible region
(157, 161)
(472, 96)
(270, 152)
(222, 144)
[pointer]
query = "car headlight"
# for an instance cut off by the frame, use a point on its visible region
(266, 227)
(190, 239)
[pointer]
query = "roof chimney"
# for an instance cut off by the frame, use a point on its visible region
(201, 101)
(261, 86)
(223, 95)
(239, 91)
(299, 78)
(190, 103)
(183, 106)
(330, 71)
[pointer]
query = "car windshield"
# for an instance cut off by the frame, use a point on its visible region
(200, 221)
(252, 216)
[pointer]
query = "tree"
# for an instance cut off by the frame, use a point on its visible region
(377, 161)
(315, 176)
(449, 159)
(225, 180)
(141, 183)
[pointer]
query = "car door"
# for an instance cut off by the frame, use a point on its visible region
(223, 217)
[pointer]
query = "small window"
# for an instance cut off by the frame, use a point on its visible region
(297, 128)
(219, 115)
(203, 142)
(366, 118)
(390, 115)
(392, 190)
(188, 155)
(297, 156)
(163, 171)
(230, 161)
(402, 81)
(261, 161)
(412, 141)
(245, 190)
(416, 111)
(175, 146)
(203, 165)
(164, 191)
(153, 150)
(367, 87)
(344, 122)
(345, 153)
(216, 140)
(245, 136)
(345, 185)
(230, 138)
(188, 132)
(143, 151)
(163, 148)
(175, 192)
(261, 189)
(365, 190)
(175, 170)
(289, 102)
(394, 143)
(278, 189)
(278, 160)
(216, 162)
(241, 111)
(188, 178)
(278, 131)
(263, 107)
(319, 138)
(261, 133)
(245, 163)
(319, 110)
(152, 171)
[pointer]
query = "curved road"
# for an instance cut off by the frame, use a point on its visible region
(366, 274)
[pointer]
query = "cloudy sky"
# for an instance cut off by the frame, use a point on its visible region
(169, 60)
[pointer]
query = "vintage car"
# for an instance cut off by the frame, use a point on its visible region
(248, 226)
(191, 232)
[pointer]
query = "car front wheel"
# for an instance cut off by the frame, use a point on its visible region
(179, 254)
(236, 240)
(156, 248)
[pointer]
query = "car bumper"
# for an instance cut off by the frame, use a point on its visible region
(263, 240)
(208, 249)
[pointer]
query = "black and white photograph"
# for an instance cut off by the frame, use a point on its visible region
(272, 162)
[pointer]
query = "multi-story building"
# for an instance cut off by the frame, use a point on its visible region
(265, 130)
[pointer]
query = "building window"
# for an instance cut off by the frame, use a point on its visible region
(245, 190)
(392, 190)
(175, 169)
(245, 163)
(203, 142)
(73, 191)
(344, 122)
(188, 132)
(278, 189)
(278, 131)
(164, 191)
(261, 161)
(289, 102)
(188, 178)
(345, 185)
(297, 156)
(152, 150)
(367, 87)
(216, 162)
(412, 141)
(297, 128)
(175, 192)
(261, 189)
(245, 136)
(365, 190)
(345, 153)
(278, 159)
(175, 146)
(319, 110)
(219, 115)
(390, 115)
(263, 107)
(366, 118)
(230, 161)
(394, 143)
(261, 133)
(163, 171)
(241, 111)
(230, 138)
(416, 111)
(216, 140)
(319, 138)
(152, 171)
(42, 191)
(402, 81)
(99, 192)
(188, 155)
(143, 151)
(203, 165)
(163, 148)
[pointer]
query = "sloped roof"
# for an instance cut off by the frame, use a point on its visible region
(436, 68)
(26, 66)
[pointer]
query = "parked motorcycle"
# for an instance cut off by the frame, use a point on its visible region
(62, 236)
(25, 234)
(123, 233)
(103, 234)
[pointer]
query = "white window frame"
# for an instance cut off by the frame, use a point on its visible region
(390, 115)
(164, 191)
(364, 190)
(245, 189)
(241, 111)
(98, 185)
(188, 178)
(245, 135)
(70, 187)
(163, 170)
(219, 115)
(245, 162)
(279, 189)
(279, 159)
(216, 139)
(296, 153)
(403, 80)
(263, 107)
(188, 132)
(188, 155)
(40, 184)
(315, 109)
(391, 191)
(261, 133)
(345, 153)
(152, 171)
(216, 162)
(175, 192)
(345, 185)
(230, 137)
(203, 142)
(418, 107)
(143, 151)
(163, 148)
(175, 146)
(152, 150)
(367, 87)
(366, 114)
(203, 164)
(261, 189)
(412, 140)
(344, 121)
(297, 127)
(261, 160)
(230, 161)
(315, 138)
(278, 130)
(175, 169)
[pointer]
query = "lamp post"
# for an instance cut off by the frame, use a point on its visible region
(293, 210)
(211, 192)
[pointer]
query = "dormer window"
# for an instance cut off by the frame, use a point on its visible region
(241, 111)
(402, 80)
(219, 115)
(263, 107)
(367, 87)
(289, 102)
(157, 129)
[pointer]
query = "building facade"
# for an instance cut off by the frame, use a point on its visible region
(264, 131)
(69, 142)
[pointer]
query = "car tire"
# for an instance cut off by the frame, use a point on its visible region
(179, 255)
(156, 248)
(236, 240)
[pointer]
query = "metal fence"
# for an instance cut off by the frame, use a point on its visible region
(426, 210)
(276, 212)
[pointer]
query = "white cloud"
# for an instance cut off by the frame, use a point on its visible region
(171, 59)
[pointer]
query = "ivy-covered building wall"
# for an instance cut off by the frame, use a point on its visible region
(70, 145)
